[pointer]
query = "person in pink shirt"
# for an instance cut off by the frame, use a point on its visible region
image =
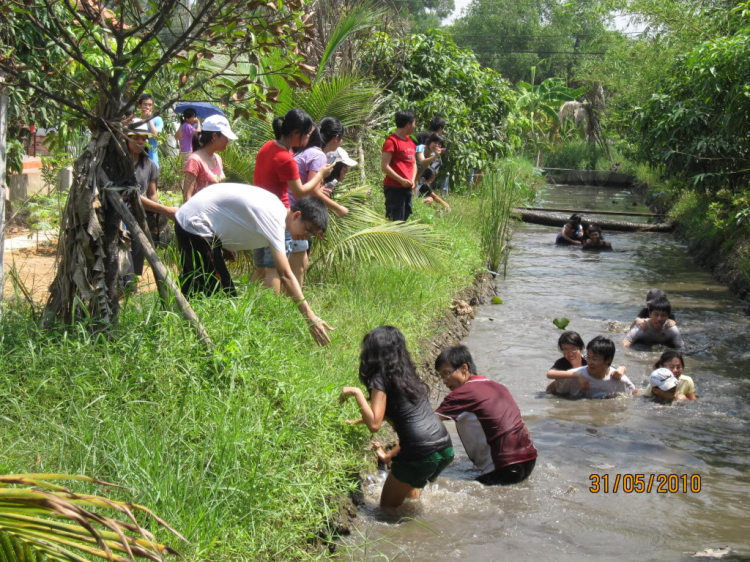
(204, 166)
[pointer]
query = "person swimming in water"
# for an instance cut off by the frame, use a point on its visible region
(598, 379)
(594, 240)
(572, 232)
(655, 330)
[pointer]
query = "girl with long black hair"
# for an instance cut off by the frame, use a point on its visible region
(398, 395)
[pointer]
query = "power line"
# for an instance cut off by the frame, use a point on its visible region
(540, 52)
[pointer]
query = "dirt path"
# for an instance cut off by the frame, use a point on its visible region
(32, 265)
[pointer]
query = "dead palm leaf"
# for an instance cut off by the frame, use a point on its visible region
(43, 520)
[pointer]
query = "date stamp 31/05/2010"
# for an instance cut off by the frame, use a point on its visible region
(645, 483)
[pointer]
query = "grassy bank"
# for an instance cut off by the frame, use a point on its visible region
(244, 451)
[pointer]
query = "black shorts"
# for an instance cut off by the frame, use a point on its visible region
(511, 474)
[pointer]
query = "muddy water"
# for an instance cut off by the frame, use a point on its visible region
(554, 515)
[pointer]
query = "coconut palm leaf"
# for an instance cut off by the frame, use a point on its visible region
(360, 17)
(239, 163)
(408, 244)
(46, 521)
(349, 98)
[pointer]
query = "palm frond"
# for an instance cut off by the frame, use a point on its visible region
(364, 236)
(239, 164)
(349, 98)
(31, 530)
(360, 17)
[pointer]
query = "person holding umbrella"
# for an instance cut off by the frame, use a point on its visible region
(189, 126)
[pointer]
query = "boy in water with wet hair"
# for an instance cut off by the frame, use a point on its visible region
(487, 419)
(656, 330)
(597, 379)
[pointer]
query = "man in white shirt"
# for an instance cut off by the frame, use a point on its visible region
(597, 379)
(233, 216)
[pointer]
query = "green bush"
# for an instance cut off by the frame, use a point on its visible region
(576, 155)
(431, 75)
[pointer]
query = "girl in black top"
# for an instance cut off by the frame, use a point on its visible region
(396, 393)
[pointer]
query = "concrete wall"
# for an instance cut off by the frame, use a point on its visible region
(599, 178)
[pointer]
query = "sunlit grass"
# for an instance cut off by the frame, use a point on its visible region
(243, 451)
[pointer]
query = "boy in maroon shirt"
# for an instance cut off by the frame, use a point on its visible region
(399, 166)
(487, 418)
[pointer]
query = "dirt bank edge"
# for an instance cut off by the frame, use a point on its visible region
(722, 263)
(448, 330)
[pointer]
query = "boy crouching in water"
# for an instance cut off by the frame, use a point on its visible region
(597, 379)
(487, 418)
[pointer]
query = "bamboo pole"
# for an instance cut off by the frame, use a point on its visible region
(160, 271)
(585, 212)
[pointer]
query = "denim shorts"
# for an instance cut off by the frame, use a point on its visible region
(262, 256)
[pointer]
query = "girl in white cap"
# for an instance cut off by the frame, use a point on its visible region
(204, 166)
(662, 388)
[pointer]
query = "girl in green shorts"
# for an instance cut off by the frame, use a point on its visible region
(396, 394)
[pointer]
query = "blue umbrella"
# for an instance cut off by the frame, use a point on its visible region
(202, 108)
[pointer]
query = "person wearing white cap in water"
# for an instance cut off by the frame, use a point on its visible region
(672, 361)
(663, 385)
(204, 166)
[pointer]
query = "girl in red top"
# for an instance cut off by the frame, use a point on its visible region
(276, 171)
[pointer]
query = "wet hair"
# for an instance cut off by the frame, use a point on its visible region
(660, 304)
(428, 174)
(295, 121)
(385, 356)
(330, 128)
(204, 138)
(435, 137)
(145, 97)
(571, 338)
(313, 210)
(654, 294)
(336, 172)
(575, 219)
(189, 113)
(437, 123)
(668, 356)
(455, 357)
(404, 117)
(602, 346)
(594, 228)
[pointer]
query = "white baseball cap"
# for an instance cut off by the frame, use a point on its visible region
(340, 155)
(663, 379)
(141, 129)
(219, 124)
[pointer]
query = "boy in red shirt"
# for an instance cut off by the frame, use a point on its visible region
(399, 166)
(487, 418)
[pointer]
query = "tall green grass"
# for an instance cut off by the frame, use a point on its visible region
(501, 190)
(244, 451)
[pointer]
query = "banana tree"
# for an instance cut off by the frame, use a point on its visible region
(41, 520)
(540, 106)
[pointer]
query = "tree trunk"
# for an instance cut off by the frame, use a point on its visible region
(3, 157)
(86, 282)
(551, 219)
